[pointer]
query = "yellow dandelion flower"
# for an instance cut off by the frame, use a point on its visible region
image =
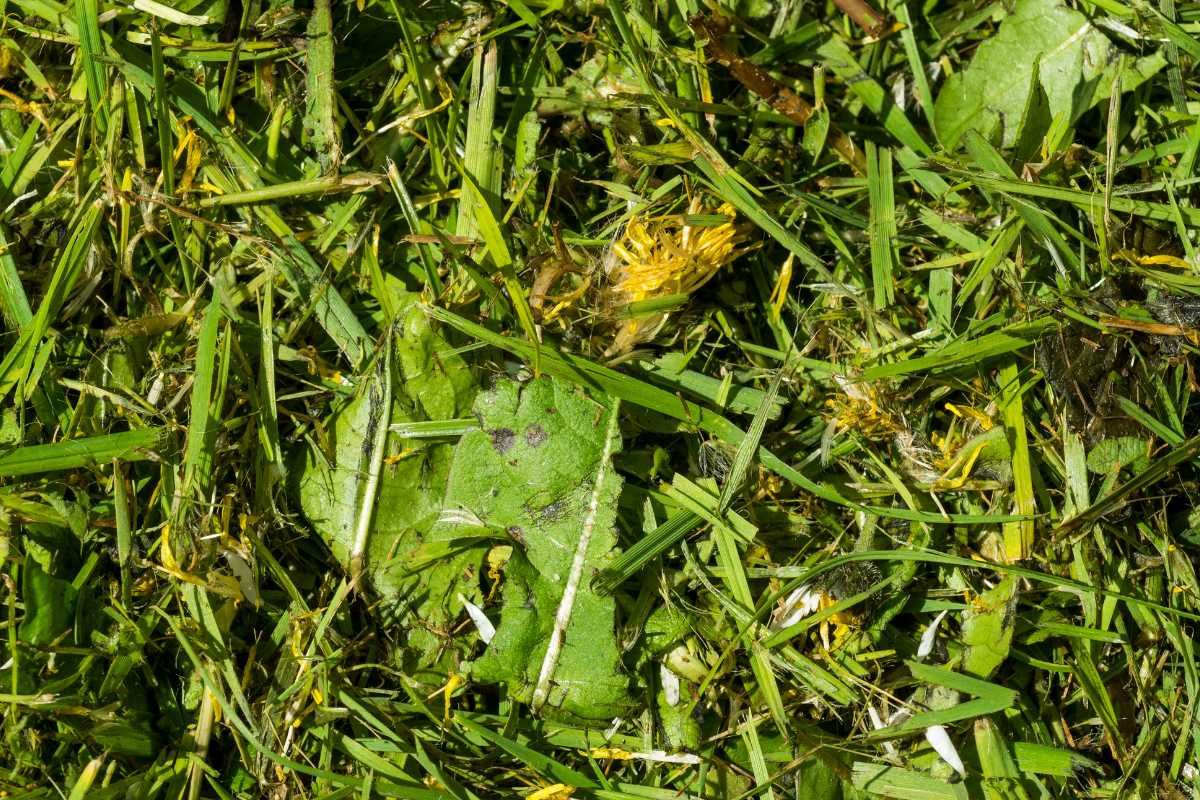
(660, 257)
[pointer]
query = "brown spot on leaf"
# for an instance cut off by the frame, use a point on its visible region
(502, 439)
(535, 435)
(553, 511)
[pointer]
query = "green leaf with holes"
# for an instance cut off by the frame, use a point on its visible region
(417, 580)
(540, 469)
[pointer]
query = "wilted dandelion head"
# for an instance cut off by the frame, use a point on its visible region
(930, 460)
(861, 408)
(664, 256)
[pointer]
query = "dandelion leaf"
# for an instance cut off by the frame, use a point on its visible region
(1112, 454)
(540, 469)
(987, 628)
(417, 588)
(51, 606)
(1073, 61)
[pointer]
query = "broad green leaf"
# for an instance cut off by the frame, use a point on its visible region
(1111, 455)
(429, 383)
(988, 628)
(991, 95)
(49, 605)
(816, 779)
(540, 468)
(132, 734)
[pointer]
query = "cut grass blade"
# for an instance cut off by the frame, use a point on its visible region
(17, 364)
(478, 188)
(883, 224)
(888, 781)
(138, 445)
(198, 453)
(91, 50)
(1018, 536)
(319, 113)
(631, 560)
(13, 302)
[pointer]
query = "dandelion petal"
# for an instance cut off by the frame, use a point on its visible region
(798, 605)
(927, 638)
(940, 740)
(670, 685)
(486, 629)
(876, 722)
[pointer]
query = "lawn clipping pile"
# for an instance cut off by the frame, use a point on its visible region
(615, 399)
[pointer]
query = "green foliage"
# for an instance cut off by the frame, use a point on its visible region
(417, 581)
(1111, 455)
(52, 604)
(1046, 58)
(915, 470)
(540, 469)
(987, 628)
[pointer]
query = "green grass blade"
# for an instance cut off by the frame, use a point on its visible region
(198, 452)
(319, 112)
(13, 301)
(91, 51)
(1018, 536)
(884, 780)
(881, 190)
(137, 445)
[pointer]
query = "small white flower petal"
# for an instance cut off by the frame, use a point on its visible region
(612, 729)
(1118, 27)
(798, 605)
(876, 721)
(670, 684)
(855, 391)
(940, 740)
(900, 93)
(486, 629)
(930, 634)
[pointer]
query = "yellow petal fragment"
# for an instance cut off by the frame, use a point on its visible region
(555, 791)
(614, 753)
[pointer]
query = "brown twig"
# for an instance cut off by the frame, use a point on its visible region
(778, 96)
(873, 23)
